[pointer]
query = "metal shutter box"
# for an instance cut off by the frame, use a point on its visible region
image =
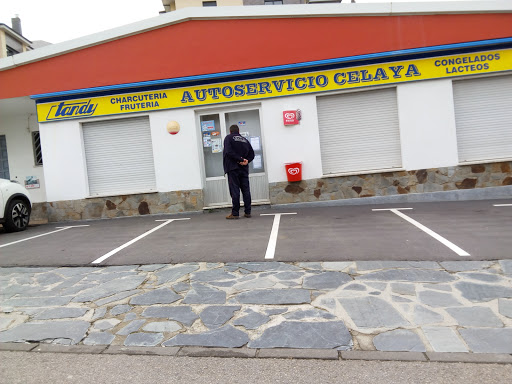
(119, 156)
(359, 131)
(483, 115)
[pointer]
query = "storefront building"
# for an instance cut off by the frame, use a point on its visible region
(372, 100)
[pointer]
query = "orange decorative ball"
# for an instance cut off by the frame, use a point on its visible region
(173, 127)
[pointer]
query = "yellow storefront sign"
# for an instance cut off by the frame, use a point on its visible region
(320, 81)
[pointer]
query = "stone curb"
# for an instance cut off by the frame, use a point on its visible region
(155, 351)
(490, 193)
(285, 353)
(383, 356)
(217, 352)
(277, 353)
(21, 347)
(455, 357)
(79, 349)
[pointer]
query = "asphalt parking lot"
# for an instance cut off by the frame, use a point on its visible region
(466, 230)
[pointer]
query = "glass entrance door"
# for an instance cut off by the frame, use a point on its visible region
(216, 190)
(214, 128)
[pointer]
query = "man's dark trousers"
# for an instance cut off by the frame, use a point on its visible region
(239, 180)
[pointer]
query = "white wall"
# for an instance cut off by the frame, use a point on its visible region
(177, 161)
(17, 129)
(427, 130)
(176, 156)
(64, 160)
(291, 143)
(427, 124)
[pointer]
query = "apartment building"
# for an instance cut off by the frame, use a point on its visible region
(12, 41)
(173, 5)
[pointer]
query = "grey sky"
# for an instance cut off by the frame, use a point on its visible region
(60, 20)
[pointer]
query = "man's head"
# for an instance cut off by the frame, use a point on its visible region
(234, 129)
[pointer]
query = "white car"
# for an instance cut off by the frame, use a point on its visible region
(15, 206)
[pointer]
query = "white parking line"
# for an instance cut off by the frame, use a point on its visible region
(272, 241)
(439, 238)
(44, 234)
(113, 252)
(502, 205)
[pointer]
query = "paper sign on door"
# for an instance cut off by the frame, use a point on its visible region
(255, 143)
(216, 145)
(207, 126)
(256, 163)
(207, 140)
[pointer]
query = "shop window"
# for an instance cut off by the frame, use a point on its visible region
(4, 161)
(36, 145)
(209, 3)
(11, 51)
(273, 2)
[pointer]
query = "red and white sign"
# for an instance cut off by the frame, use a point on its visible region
(290, 118)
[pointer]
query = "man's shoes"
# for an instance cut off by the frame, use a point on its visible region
(248, 215)
(231, 217)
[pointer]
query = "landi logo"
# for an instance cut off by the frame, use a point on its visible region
(71, 110)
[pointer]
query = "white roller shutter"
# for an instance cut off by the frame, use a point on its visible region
(359, 131)
(119, 156)
(483, 115)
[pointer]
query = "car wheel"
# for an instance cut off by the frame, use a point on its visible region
(17, 216)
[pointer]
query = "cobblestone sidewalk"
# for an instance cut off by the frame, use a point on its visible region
(462, 306)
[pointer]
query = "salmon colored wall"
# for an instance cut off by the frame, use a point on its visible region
(209, 46)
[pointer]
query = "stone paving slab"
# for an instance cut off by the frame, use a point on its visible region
(411, 307)
(443, 339)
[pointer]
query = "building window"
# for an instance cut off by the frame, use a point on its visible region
(209, 3)
(11, 51)
(273, 2)
(36, 144)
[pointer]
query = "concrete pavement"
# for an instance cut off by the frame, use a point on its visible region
(419, 231)
(390, 306)
(34, 368)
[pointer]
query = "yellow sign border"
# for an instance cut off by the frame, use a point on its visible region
(277, 86)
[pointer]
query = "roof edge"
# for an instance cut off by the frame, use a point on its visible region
(270, 71)
(257, 12)
(14, 33)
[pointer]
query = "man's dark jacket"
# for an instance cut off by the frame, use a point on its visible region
(236, 149)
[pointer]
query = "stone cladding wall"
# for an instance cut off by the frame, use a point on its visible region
(124, 205)
(393, 183)
(333, 188)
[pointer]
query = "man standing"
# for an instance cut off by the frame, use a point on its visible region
(238, 153)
